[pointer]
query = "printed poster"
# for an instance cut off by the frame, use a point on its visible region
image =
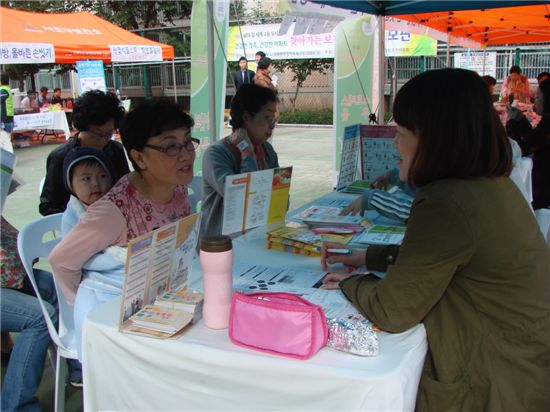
(350, 157)
(255, 199)
(91, 75)
(158, 261)
(378, 153)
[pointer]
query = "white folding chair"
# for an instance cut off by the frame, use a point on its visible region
(543, 218)
(521, 176)
(34, 241)
(195, 193)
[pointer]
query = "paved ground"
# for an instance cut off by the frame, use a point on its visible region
(308, 149)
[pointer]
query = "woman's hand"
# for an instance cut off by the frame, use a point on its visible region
(381, 182)
(356, 258)
(332, 280)
(242, 141)
(354, 207)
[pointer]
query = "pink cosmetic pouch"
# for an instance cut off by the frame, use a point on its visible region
(278, 323)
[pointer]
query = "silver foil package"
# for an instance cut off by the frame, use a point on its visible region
(356, 335)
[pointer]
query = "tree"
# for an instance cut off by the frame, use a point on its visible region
(302, 69)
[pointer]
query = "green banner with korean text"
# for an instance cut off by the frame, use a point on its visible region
(353, 67)
(200, 83)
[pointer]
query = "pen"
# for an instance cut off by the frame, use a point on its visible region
(339, 251)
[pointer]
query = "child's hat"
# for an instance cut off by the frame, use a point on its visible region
(80, 153)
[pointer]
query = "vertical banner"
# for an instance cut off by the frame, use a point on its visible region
(200, 61)
(353, 67)
(91, 75)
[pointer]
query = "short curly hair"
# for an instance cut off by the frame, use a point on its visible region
(97, 108)
(250, 98)
(150, 119)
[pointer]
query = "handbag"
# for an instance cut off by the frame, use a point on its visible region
(277, 323)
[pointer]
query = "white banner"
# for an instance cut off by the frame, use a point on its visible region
(124, 53)
(484, 63)
(12, 53)
(33, 121)
(266, 38)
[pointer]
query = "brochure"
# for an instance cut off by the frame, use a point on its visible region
(255, 199)
(381, 235)
(157, 262)
(323, 216)
(160, 319)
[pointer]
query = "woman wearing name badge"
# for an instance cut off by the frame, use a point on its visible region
(246, 149)
(473, 266)
(157, 138)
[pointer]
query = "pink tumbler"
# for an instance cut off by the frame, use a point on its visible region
(216, 258)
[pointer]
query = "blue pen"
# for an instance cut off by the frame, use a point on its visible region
(339, 251)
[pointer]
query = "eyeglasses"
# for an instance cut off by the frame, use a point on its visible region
(102, 135)
(176, 148)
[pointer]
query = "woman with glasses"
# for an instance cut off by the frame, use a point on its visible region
(157, 139)
(246, 149)
(96, 116)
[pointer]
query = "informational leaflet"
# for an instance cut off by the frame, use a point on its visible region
(381, 235)
(156, 262)
(350, 157)
(378, 154)
(255, 199)
(250, 278)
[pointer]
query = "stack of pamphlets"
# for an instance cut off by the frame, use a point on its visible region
(323, 216)
(381, 235)
(302, 240)
(186, 300)
(163, 320)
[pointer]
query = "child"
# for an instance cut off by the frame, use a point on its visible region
(88, 175)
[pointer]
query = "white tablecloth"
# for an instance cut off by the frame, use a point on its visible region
(47, 120)
(203, 370)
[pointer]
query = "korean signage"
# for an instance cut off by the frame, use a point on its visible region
(17, 53)
(129, 53)
(402, 43)
(91, 75)
(266, 38)
(484, 63)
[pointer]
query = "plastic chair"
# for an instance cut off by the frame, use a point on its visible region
(195, 193)
(521, 176)
(543, 218)
(32, 244)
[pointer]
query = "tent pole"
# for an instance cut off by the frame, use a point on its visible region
(381, 67)
(448, 54)
(174, 80)
(114, 79)
(212, 116)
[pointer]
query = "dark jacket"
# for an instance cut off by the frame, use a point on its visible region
(477, 275)
(535, 142)
(238, 78)
(54, 196)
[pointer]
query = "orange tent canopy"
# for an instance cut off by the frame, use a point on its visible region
(28, 37)
(506, 25)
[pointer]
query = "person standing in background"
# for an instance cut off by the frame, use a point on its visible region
(56, 98)
(244, 75)
(29, 103)
(263, 78)
(517, 84)
(43, 97)
(259, 56)
(6, 108)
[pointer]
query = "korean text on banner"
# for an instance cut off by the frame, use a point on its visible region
(22, 53)
(91, 75)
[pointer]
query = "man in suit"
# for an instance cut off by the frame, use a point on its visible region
(244, 75)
